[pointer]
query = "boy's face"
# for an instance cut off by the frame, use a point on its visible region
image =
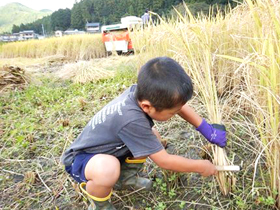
(163, 115)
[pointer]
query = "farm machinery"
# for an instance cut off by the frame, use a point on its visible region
(117, 37)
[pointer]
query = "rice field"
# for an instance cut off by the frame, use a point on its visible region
(233, 60)
(75, 47)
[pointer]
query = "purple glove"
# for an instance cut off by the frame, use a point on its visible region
(214, 133)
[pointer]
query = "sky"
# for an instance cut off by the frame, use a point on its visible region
(42, 4)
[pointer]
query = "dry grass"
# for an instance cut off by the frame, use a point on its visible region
(12, 77)
(93, 70)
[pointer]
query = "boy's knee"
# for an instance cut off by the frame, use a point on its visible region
(101, 166)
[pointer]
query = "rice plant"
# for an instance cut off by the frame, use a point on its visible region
(190, 41)
(229, 56)
(263, 93)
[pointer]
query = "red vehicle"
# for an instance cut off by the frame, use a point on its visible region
(116, 37)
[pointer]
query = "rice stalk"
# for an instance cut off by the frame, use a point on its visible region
(264, 90)
(269, 93)
(201, 69)
(191, 42)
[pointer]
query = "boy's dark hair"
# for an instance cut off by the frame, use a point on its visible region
(164, 83)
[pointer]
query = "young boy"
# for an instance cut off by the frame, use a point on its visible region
(123, 129)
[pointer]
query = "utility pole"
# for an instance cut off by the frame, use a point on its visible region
(43, 30)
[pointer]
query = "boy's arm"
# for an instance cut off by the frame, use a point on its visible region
(188, 114)
(181, 164)
(214, 133)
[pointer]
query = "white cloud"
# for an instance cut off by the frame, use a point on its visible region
(42, 4)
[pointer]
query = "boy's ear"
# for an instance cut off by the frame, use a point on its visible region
(146, 106)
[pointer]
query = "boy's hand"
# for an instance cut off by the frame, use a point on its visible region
(208, 168)
(214, 133)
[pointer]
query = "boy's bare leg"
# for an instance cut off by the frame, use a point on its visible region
(102, 172)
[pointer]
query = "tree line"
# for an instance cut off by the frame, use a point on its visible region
(109, 12)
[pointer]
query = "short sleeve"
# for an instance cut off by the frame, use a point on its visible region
(139, 138)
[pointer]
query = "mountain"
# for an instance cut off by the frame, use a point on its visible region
(16, 13)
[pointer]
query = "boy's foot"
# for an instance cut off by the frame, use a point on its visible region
(129, 176)
(104, 205)
(97, 203)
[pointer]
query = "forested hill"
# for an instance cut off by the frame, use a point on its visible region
(108, 12)
(16, 13)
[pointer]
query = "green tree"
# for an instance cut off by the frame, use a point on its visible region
(87, 8)
(77, 21)
(98, 5)
(15, 29)
(157, 6)
(131, 10)
(61, 19)
(140, 8)
(22, 27)
(111, 11)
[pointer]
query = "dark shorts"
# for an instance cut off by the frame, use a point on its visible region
(77, 169)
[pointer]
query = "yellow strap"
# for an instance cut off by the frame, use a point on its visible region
(82, 187)
(129, 160)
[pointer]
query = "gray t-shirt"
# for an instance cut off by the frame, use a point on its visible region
(117, 129)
